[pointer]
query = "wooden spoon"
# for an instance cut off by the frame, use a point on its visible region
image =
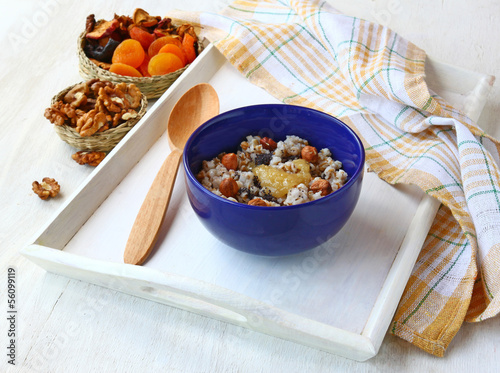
(194, 108)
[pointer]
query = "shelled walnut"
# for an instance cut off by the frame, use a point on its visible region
(90, 158)
(95, 106)
(77, 96)
(47, 188)
(91, 122)
(60, 113)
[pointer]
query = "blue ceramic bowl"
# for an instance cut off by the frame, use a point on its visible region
(274, 231)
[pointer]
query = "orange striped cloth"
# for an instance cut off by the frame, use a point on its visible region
(307, 53)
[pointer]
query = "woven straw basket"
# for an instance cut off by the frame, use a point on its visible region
(152, 87)
(100, 141)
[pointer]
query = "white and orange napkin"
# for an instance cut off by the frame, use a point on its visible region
(307, 53)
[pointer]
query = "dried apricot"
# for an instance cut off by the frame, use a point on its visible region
(123, 69)
(164, 63)
(174, 49)
(143, 69)
(155, 46)
(188, 47)
(129, 52)
(142, 36)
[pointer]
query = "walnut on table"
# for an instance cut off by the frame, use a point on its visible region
(47, 188)
(90, 158)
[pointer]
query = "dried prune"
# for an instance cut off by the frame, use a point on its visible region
(100, 53)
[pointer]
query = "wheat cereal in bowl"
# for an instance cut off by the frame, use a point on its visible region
(263, 172)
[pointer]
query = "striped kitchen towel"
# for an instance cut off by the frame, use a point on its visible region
(307, 53)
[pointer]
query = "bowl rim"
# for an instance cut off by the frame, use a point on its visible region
(351, 181)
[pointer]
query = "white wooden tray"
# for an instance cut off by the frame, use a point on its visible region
(339, 297)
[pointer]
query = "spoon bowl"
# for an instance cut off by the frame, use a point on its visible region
(195, 107)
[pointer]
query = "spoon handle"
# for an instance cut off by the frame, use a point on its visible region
(147, 224)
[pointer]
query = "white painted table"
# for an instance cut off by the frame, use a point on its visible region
(65, 325)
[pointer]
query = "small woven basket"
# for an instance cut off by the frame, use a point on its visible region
(152, 87)
(103, 141)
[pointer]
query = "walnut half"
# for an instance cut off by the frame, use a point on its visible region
(90, 158)
(90, 123)
(47, 188)
(60, 112)
(77, 96)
